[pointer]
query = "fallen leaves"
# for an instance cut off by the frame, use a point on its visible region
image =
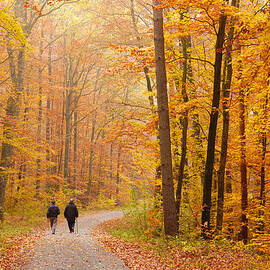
(144, 256)
(17, 253)
(131, 254)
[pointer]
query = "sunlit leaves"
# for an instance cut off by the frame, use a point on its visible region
(10, 29)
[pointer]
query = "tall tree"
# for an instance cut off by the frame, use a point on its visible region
(207, 187)
(243, 167)
(40, 91)
(226, 85)
(169, 208)
(184, 121)
(12, 109)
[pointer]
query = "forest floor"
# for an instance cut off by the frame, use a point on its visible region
(156, 254)
(42, 250)
(97, 245)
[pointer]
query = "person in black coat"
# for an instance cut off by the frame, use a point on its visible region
(52, 213)
(71, 213)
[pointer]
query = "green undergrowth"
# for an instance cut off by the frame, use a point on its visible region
(130, 230)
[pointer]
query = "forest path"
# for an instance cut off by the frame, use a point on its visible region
(81, 250)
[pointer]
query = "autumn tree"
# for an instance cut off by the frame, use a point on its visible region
(170, 218)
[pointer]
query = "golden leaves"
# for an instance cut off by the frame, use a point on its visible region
(11, 28)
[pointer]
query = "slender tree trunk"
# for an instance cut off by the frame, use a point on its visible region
(149, 88)
(118, 174)
(90, 176)
(184, 121)
(169, 208)
(48, 105)
(262, 197)
(75, 148)
(196, 128)
(111, 163)
(22, 166)
(39, 112)
(67, 135)
(243, 167)
(225, 134)
(68, 117)
(91, 155)
(61, 136)
(132, 13)
(227, 79)
(100, 166)
(207, 187)
(196, 134)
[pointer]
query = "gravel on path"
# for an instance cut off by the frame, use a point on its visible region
(81, 251)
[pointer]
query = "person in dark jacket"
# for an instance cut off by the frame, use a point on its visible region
(71, 213)
(52, 213)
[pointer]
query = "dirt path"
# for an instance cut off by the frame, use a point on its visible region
(66, 250)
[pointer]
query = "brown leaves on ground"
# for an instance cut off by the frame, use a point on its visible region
(16, 254)
(131, 253)
(144, 256)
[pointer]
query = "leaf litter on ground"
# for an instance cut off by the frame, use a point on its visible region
(145, 255)
(16, 253)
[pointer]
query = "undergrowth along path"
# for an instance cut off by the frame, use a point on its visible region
(80, 250)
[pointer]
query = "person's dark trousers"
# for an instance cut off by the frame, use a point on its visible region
(53, 221)
(71, 224)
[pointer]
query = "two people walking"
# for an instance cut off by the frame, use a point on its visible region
(70, 213)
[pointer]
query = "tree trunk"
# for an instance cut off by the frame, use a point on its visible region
(68, 117)
(207, 187)
(89, 185)
(262, 197)
(169, 208)
(225, 134)
(61, 136)
(48, 105)
(184, 121)
(68, 133)
(243, 167)
(75, 148)
(111, 163)
(149, 88)
(39, 112)
(118, 174)
(12, 112)
(227, 79)
(7, 149)
(91, 155)
(94, 120)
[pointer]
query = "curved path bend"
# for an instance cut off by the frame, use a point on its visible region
(79, 251)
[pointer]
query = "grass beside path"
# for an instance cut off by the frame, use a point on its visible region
(140, 251)
(17, 234)
(14, 227)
